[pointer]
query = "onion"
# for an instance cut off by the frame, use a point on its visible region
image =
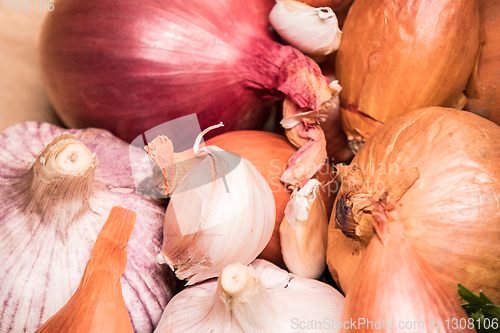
(129, 66)
(396, 289)
(441, 165)
(482, 91)
(398, 56)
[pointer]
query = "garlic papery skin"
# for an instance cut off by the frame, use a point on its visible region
(395, 289)
(304, 132)
(220, 213)
(57, 190)
(304, 231)
(259, 298)
(314, 31)
(59, 183)
(170, 167)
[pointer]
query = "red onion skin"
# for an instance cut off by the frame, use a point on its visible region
(129, 66)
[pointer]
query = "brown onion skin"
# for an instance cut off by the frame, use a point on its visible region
(129, 66)
(451, 212)
(336, 141)
(401, 55)
(486, 102)
(396, 284)
(269, 153)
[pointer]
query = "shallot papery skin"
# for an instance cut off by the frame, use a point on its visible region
(396, 290)
(128, 66)
(450, 210)
(98, 305)
(401, 55)
(46, 241)
(482, 91)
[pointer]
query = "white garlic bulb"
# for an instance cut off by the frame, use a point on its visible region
(56, 195)
(304, 231)
(314, 31)
(259, 298)
(221, 212)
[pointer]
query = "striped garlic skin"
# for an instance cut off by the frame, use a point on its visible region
(279, 302)
(44, 247)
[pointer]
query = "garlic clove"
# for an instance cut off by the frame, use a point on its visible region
(304, 231)
(221, 212)
(314, 31)
(257, 298)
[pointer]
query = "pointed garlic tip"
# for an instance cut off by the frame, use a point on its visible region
(314, 31)
(196, 146)
(303, 232)
(220, 213)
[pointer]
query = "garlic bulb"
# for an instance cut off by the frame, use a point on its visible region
(396, 290)
(304, 231)
(257, 298)
(221, 212)
(55, 200)
(314, 31)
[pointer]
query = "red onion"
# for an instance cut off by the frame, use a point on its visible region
(128, 66)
